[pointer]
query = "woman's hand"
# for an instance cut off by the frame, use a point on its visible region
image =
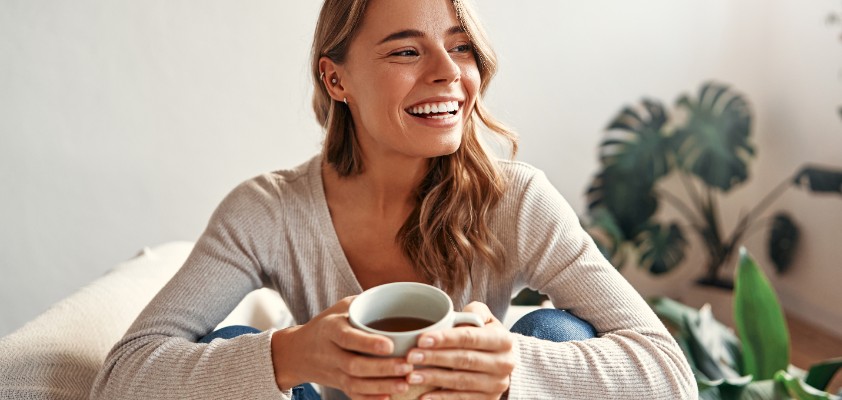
(327, 350)
(472, 363)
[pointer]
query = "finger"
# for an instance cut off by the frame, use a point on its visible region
(487, 339)
(477, 361)
(482, 310)
(454, 395)
(362, 366)
(374, 386)
(352, 339)
(461, 381)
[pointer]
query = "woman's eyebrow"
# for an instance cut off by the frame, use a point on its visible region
(414, 33)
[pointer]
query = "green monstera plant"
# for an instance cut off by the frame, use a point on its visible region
(755, 363)
(705, 143)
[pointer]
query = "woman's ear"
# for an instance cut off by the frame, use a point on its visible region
(331, 76)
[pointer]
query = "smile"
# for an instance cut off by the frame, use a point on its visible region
(437, 110)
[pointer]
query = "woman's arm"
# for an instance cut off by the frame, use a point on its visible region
(634, 355)
(158, 357)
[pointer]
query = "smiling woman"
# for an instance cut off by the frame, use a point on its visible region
(408, 96)
(402, 192)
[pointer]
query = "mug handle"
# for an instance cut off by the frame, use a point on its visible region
(470, 318)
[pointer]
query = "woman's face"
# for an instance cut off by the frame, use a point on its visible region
(410, 78)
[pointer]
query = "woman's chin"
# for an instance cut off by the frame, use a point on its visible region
(445, 147)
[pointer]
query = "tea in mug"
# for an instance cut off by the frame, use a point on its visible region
(399, 324)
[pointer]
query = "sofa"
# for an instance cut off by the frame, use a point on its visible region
(57, 355)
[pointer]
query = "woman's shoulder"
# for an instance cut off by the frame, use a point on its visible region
(517, 174)
(270, 187)
(527, 186)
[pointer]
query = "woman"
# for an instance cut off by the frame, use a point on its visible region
(402, 192)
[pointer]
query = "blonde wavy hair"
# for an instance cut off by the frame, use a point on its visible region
(447, 231)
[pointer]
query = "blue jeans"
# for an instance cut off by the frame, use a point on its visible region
(546, 323)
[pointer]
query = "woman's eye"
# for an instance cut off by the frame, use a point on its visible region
(405, 53)
(463, 48)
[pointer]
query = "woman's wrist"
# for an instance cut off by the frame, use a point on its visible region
(283, 352)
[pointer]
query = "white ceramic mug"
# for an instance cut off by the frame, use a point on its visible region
(407, 299)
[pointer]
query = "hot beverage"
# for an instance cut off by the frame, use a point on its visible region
(402, 311)
(399, 324)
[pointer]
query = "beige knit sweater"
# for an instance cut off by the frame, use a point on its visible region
(275, 230)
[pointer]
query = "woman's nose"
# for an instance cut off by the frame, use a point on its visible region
(443, 69)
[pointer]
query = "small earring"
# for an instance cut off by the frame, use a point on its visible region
(333, 81)
(321, 75)
(345, 100)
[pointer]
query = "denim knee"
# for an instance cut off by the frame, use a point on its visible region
(554, 325)
(228, 332)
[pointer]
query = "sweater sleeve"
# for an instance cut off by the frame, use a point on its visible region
(159, 358)
(633, 355)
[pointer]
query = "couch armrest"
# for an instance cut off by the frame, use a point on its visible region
(58, 354)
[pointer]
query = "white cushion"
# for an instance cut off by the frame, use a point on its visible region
(58, 354)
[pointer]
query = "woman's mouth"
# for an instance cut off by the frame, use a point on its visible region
(435, 110)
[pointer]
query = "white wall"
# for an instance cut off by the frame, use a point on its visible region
(123, 123)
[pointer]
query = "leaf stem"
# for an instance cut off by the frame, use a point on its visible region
(759, 223)
(747, 222)
(679, 205)
(691, 190)
(767, 201)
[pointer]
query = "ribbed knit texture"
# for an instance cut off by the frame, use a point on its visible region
(275, 230)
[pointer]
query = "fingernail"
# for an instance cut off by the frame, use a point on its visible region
(415, 378)
(426, 342)
(403, 369)
(416, 357)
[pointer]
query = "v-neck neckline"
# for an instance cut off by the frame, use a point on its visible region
(317, 191)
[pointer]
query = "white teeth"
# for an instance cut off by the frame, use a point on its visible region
(448, 106)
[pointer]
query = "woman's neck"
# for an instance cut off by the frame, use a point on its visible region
(385, 188)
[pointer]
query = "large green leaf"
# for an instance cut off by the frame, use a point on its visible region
(783, 240)
(715, 349)
(797, 389)
(820, 374)
(714, 142)
(709, 394)
(703, 339)
(630, 201)
(634, 155)
(762, 390)
(636, 144)
(819, 179)
(711, 348)
(661, 247)
(760, 321)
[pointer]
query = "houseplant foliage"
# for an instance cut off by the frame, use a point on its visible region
(705, 143)
(754, 364)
